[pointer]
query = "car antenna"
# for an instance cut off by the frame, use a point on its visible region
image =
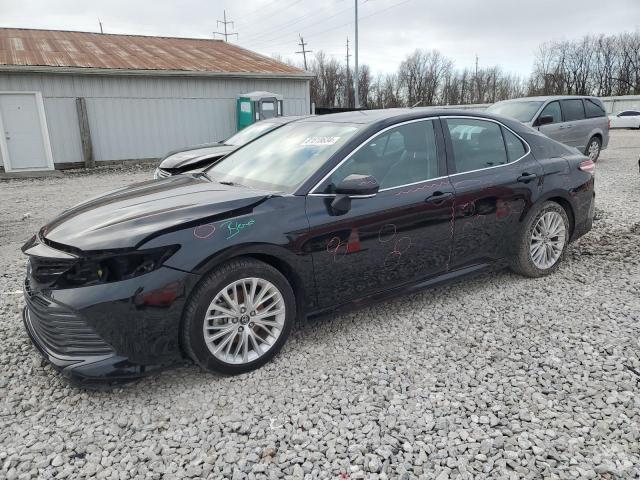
(416, 104)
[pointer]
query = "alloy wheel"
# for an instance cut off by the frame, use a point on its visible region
(244, 320)
(594, 150)
(547, 240)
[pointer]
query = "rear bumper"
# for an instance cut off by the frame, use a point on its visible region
(111, 332)
(585, 212)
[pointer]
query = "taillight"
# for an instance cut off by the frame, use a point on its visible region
(609, 124)
(587, 166)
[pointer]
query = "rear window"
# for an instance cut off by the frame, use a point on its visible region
(573, 110)
(515, 147)
(593, 108)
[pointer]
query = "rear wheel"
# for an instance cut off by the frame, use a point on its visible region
(239, 317)
(593, 148)
(543, 241)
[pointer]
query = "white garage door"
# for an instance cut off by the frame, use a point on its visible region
(24, 139)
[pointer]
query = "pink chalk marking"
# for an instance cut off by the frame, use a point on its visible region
(204, 231)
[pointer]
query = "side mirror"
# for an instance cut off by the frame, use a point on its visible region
(544, 120)
(354, 186)
(358, 185)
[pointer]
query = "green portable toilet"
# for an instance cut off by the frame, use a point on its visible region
(255, 106)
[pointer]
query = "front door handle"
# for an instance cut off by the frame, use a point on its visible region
(526, 177)
(438, 197)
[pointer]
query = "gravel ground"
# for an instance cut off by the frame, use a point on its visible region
(497, 376)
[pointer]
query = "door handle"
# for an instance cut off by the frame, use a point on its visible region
(526, 177)
(438, 197)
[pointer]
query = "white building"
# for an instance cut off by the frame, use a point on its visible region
(70, 99)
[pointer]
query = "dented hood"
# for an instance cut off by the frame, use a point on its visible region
(181, 160)
(126, 217)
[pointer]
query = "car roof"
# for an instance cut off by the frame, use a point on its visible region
(287, 119)
(397, 115)
(544, 98)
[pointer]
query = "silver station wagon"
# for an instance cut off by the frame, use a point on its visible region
(577, 121)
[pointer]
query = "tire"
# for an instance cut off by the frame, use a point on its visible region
(596, 144)
(523, 262)
(241, 326)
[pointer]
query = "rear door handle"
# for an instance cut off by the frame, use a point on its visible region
(526, 177)
(438, 197)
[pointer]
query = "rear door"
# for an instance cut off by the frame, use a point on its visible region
(401, 234)
(495, 179)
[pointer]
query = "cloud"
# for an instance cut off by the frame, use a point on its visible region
(501, 32)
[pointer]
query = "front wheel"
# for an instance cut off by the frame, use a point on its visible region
(238, 317)
(593, 149)
(543, 241)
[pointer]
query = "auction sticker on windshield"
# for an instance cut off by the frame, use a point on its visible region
(320, 141)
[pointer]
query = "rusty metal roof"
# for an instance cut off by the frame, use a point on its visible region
(27, 49)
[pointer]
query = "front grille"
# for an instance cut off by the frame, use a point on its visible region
(61, 331)
(46, 271)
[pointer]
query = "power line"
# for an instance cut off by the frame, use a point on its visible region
(304, 51)
(225, 23)
(252, 37)
(273, 42)
(293, 24)
(280, 10)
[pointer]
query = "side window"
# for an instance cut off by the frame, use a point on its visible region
(476, 144)
(515, 148)
(553, 110)
(593, 108)
(573, 110)
(399, 156)
(629, 113)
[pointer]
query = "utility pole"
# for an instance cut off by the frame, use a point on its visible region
(304, 51)
(101, 31)
(355, 83)
(225, 23)
(348, 76)
(476, 82)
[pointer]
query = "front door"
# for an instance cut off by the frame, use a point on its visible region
(400, 235)
(496, 179)
(556, 129)
(24, 144)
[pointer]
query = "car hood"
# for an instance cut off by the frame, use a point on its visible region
(127, 217)
(184, 158)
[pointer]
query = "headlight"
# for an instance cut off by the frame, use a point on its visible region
(114, 267)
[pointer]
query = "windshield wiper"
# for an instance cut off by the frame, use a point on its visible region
(225, 182)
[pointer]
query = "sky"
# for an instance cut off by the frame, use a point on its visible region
(506, 33)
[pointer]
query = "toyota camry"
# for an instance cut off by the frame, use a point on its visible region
(322, 213)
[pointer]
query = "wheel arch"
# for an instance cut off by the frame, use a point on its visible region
(566, 204)
(299, 275)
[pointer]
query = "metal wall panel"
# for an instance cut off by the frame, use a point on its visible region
(136, 117)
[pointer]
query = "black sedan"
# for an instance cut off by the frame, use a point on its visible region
(325, 212)
(199, 157)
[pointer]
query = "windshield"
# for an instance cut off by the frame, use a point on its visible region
(521, 111)
(249, 133)
(286, 157)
